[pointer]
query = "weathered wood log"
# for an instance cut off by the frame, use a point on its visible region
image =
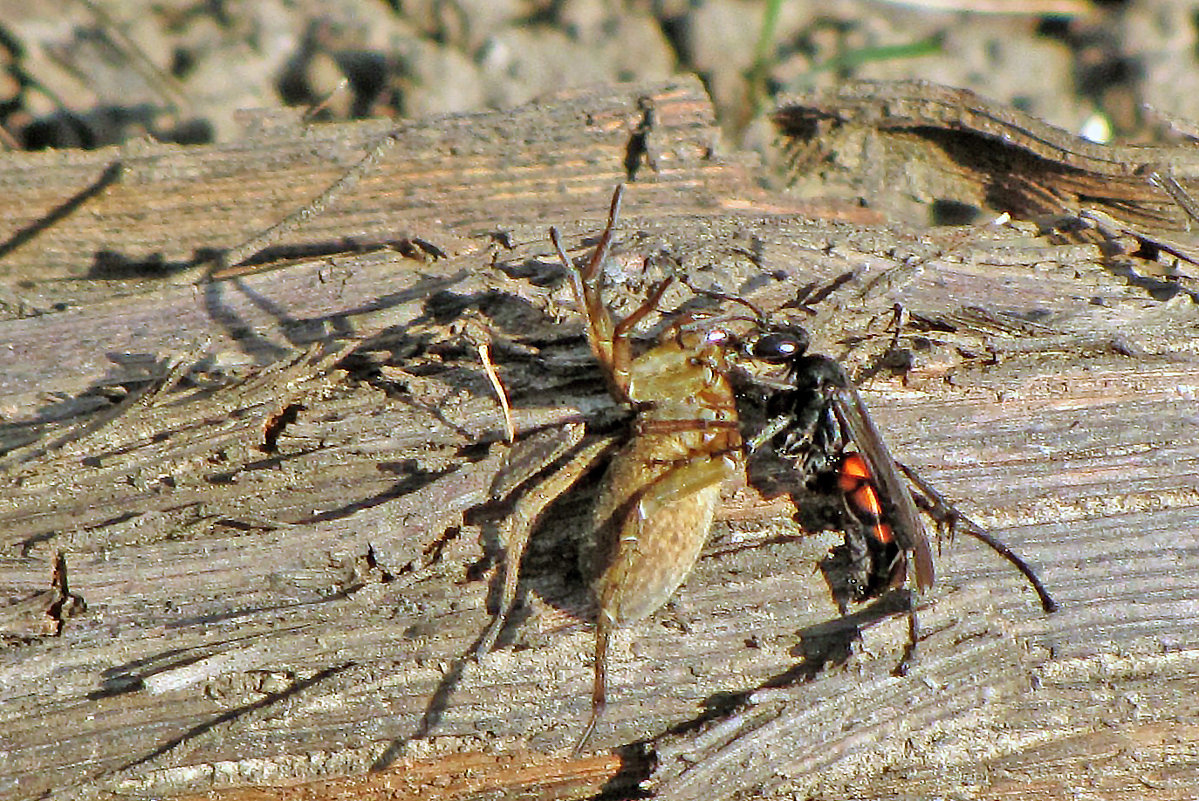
(271, 488)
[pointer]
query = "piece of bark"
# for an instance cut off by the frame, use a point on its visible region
(283, 548)
(85, 229)
(871, 136)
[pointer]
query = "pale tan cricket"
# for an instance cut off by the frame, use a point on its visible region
(662, 487)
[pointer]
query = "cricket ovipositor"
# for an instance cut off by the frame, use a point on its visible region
(660, 492)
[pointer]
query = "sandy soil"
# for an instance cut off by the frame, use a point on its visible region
(93, 73)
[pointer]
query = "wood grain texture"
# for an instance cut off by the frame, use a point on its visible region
(272, 490)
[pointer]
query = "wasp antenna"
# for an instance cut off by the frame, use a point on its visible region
(758, 317)
(999, 547)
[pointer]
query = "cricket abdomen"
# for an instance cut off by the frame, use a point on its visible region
(661, 491)
(652, 535)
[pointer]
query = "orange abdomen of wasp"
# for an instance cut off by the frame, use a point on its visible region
(856, 482)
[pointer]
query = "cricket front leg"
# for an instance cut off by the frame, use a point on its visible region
(586, 284)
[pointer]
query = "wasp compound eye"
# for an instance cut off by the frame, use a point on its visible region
(779, 347)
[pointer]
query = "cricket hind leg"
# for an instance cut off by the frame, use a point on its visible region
(521, 521)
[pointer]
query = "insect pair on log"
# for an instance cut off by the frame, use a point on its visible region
(659, 494)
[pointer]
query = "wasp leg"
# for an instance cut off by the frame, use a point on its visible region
(949, 518)
(909, 650)
(519, 524)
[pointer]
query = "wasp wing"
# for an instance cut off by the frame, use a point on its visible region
(901, 511)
